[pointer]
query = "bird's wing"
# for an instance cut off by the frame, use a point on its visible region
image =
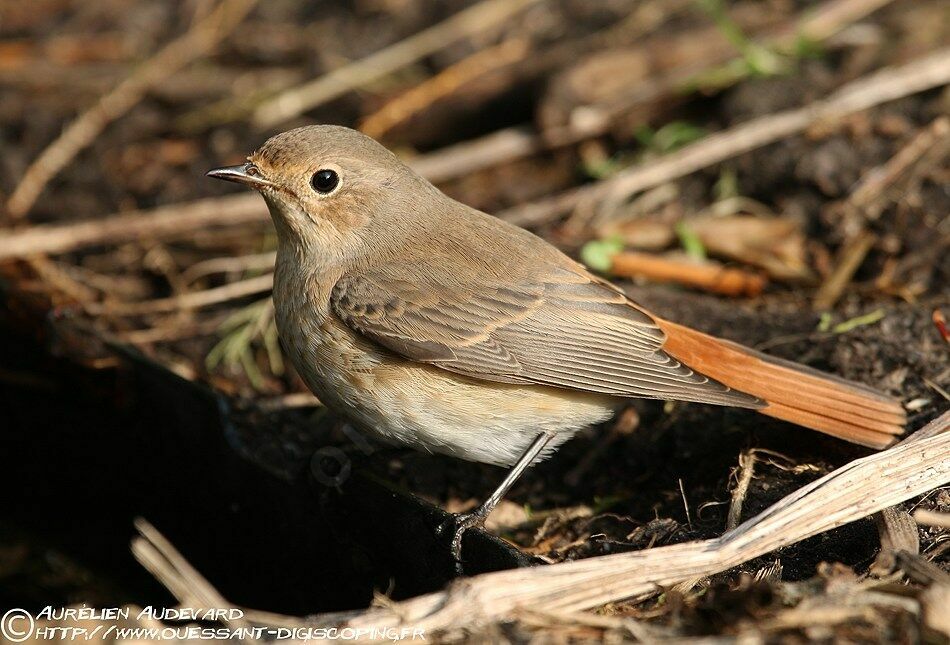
(560, 326)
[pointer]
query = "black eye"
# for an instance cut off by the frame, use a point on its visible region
(324, 181)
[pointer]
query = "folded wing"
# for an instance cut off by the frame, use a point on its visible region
(563, 328)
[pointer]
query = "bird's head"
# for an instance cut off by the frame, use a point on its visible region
(334, 194)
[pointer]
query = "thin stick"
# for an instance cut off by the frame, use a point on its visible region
(886, 85)
(197, 41)
(929, 146)
(709, 276)
(746, 471)
(167, 333)
(194, 300)
(470, 21)
(880, 87)
(162, 222)
(471, 156)
(256, 261)
(154, 552)
(852, 255)
(689, 520)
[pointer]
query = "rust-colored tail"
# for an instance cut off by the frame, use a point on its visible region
(793, 392)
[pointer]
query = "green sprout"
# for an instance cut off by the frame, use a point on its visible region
(598, 254)
(826, 318)
(690, 241)
(759, 60)
(858, 321)
(669, 137)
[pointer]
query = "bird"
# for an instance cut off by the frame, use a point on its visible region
(433, 325)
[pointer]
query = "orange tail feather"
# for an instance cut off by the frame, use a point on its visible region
(793, 392)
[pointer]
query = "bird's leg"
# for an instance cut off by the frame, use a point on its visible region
(477, 517)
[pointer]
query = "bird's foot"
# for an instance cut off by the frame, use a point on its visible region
(458, 524)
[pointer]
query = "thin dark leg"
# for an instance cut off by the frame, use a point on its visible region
(477, 517)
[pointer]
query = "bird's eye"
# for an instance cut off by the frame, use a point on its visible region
(324, 181)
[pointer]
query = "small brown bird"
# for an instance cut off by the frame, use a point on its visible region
(434, 325)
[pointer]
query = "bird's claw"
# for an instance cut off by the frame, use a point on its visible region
(459, 523)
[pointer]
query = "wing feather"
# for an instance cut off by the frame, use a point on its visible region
(565, 328)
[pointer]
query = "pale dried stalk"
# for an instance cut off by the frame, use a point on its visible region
(898, 531)
(467, 22)
(880, 87)
(154, 552)
(869, 198)
(200, 39)
(854, 491)
(932, 518)
(177, 219)
(927, 149)
(886, 85)
(471, 156)
(746, 471)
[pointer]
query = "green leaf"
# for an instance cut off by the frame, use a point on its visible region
(677, 134)
(644, 136)
(601, 169)
(759, 60)
(598, 254)
(806, 47)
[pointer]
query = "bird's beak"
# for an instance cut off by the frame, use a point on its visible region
(246, 174)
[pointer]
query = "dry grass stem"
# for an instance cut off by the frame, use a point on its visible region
(881, 186)
(154, 552)
(253, 262)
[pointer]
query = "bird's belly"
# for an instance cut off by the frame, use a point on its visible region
(430, 409)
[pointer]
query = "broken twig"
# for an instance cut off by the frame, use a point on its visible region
(708, 276)
(851, 257)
